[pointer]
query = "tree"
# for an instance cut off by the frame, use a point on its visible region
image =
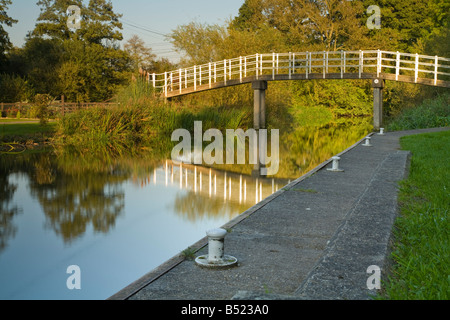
(101, 24)
(89, 63)
(5, 43)
(91, 72)
(72, 82)
(40, 58)
(411, 23)
(52, 21)
(318, 25)
(438, 42)
(14, 88)
(162, 64)
(141, 56)
(201, 42)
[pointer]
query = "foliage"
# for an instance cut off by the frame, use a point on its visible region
(141, 55)
(431, 113)
(100, 24)
(85, 64)
(42, 102)
(344, 98)
(409, 24)
(5, 43)
(14, 89)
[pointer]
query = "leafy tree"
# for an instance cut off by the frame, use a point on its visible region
(52, 21)
(162, 64)
(201, 42)
(324, 25)
(88, 64)
(14, 88)
(5, 43)
(141, 55)
(410, 23)
(92, 72)
(39, 59)
(72, 82)
(438, 42)
(102, 24)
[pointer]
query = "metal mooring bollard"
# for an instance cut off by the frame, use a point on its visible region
(335, 165)
(367, 142)
(216, 257)
(381, 133)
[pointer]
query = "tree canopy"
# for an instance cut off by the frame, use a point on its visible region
(5, 43)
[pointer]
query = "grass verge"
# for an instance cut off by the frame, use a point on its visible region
(421, 252)
(26, 132)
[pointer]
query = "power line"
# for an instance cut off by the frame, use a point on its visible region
(144, 29)
(141, 25)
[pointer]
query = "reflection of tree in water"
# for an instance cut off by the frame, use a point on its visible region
(73, 199)
(195, 207)
(7, 229)
(307, 147)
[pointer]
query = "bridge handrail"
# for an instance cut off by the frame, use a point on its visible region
(290, 63)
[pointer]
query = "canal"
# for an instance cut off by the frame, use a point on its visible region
(119, 217)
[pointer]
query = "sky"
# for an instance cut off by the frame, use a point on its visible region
(149, 19)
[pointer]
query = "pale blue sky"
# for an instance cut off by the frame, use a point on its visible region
(155, 15)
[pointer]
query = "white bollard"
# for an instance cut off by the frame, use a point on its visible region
(216, 239)
(216, 257)
(381, 133)
(335, 165)
(367, 142)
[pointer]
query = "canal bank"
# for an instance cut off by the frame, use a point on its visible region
(314, 239)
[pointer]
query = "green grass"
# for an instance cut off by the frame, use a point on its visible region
(24, 132)
(9, 120)
(421, 253)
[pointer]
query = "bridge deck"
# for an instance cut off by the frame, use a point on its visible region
(370, 64)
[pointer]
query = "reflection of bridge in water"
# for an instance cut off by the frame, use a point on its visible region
(212, 183)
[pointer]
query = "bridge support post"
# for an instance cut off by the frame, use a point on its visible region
(378, 85)
(259, 104)
(259, 117)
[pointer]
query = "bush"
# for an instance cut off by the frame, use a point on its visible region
(14, 89)
(41, 102)
(431, 113)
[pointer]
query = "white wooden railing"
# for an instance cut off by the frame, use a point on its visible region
(430, 70)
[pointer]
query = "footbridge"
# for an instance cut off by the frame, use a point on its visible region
(374, 65)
